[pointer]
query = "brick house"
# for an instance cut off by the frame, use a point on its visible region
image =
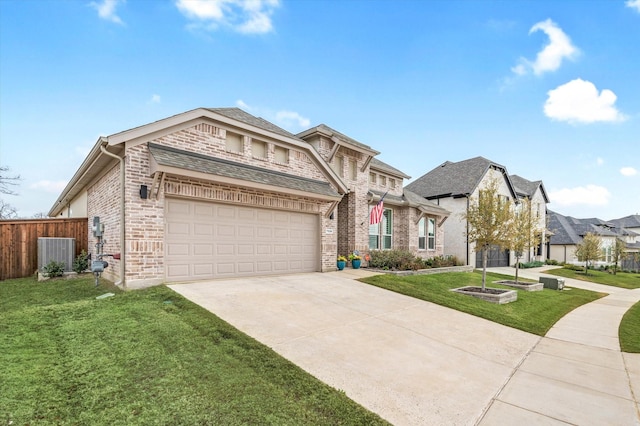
(451, 185)
(215, 193)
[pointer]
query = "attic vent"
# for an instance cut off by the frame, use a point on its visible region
(207, 128)
(58, 249)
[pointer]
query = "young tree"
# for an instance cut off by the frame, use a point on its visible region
(525, 233)
(489, 218)
(7, 211)
(588, 250)
(7, 181)
(618, 253)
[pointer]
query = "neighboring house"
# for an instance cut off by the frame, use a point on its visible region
(451, 185)
(630, 228)
(568, 232)
(215, 193)
(535, 192)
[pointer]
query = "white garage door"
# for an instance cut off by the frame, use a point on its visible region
(209, 240)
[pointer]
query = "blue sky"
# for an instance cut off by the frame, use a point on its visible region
(549, 89)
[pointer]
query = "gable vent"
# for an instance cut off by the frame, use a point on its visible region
(58, 249)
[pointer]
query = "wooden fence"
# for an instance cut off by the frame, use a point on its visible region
(19, 242)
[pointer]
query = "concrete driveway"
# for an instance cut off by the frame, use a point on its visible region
(410, 361)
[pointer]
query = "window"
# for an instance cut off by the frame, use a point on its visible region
(422, 234)
(281, 155)
(258, 149)
(353, 169)
(392, 183)
(381, 234)
(338, 165)
(383, 181)
(372, 178)
(234, 142)
(431, 234)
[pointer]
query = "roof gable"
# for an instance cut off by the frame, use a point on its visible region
(456, 179)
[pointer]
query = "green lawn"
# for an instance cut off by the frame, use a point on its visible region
(145, 357)
(535, 312)
(629, 331)
(621, 279)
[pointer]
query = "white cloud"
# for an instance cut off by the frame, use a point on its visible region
(599, 161)
(579, 101)
(291, 118)
(590, 195)
(49, 186)
(244, 16)
(628, 171)
(107, 10)
(551, 56)
(633, 4)
(240, 104)
(155, 99)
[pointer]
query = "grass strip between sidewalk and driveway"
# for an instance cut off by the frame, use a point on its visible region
(535, 312)
(629, 331)
(145, 357)
(621, 279)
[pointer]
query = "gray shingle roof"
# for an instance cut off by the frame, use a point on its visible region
(382, 166)
(323, 128)
(453, 179)
(632, 221)
(173, 157)
(245, 117)
(569, 230)
(413, 200)
(524, 186)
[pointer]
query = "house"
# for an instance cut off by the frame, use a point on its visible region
(537, 194)
(217, 192)
(568, 232)
(451, 186)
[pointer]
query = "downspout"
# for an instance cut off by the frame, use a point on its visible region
(467, 195)
(122, 216)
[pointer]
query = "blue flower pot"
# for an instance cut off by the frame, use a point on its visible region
(355, 263)
(341, 265)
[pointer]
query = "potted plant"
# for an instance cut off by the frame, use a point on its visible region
(342, 262)
(355, 260)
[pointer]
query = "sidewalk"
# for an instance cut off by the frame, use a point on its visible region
(576, 374)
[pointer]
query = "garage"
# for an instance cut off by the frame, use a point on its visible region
(206, 240)
(496, 257)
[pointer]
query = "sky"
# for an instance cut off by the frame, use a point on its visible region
(548, 89)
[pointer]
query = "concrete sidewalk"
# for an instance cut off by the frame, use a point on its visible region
(576, 374)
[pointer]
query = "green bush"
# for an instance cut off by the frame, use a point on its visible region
(534, 264)
(551, 262)
(573, 267)
(81, 263)
(54, 269)
(404, 260)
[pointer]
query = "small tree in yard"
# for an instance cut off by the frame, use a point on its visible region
(489, 218)
(525, 233)
(588, 250)
(618, 253)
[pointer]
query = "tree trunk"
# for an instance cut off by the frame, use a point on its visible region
(484, 266)
(517, 268)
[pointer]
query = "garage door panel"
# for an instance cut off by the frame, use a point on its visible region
(209, 240)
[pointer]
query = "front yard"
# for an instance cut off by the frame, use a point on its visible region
(621, 279)
(534, 312)
(145, 357)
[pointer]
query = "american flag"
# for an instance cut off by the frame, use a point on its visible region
(376, 212)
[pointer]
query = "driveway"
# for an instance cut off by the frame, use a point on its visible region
(410, 361)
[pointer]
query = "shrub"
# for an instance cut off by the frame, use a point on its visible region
(573, 267)
(403, 260)
(54, 269)
(534, 264)
(81, 263)
(551, 262)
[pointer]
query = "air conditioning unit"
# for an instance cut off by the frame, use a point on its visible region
(58, 249)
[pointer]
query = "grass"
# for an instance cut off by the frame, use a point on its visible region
(534, 312)
(145, 357)
(621, 279)
(629, 331)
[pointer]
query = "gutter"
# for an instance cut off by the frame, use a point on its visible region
(122, 216)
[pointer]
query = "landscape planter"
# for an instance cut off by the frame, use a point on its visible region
(492, 295)
(521, 285)
(341, 264)
(355, 263)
